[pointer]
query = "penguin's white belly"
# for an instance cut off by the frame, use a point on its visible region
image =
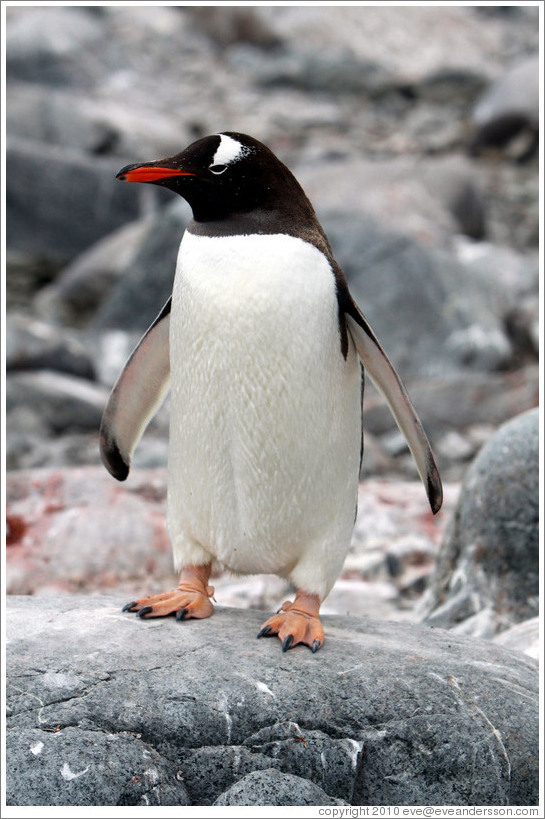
(265, 411)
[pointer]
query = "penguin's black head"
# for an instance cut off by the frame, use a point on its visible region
(220, 176)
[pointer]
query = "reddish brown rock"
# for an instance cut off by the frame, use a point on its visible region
(77, 531)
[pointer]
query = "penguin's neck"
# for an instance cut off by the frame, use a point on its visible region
(261, 221)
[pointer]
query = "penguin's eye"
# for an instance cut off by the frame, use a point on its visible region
(217, 169)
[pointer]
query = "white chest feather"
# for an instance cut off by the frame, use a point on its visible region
(266, 423)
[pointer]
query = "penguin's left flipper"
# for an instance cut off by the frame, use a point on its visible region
(388, 382)
(136, 397)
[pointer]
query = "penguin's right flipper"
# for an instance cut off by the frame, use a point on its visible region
(136, 396)
(388, 382)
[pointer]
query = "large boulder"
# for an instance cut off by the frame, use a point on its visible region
(98, 768)
(104, 708)
(487, 574)
(59, 201)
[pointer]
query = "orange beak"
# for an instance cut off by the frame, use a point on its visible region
(148, 173)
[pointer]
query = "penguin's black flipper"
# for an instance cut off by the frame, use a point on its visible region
(388, 382)
(136, 396)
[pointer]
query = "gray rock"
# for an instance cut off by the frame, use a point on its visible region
(514, 216)
(455, 447)
(522, 323)
(403, 287)
(388, 35)
(26, 274)
(386, 713)
(507, 275)
(141, 293)
(76, 766)
(62, 402)
(460, 400)
(327, 71)
(270, 787)
(456, 87)
(524, 637)
(92, 124)
(59, 201)
(466, 202)
(45, 44)
(423, 197)
(29, 443)
(226, 26)
(60, 117)
(83, 285)
(509, 110)
(110, 351)
(35, 345)
(487, 574)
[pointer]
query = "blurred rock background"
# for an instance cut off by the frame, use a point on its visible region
(414, 130)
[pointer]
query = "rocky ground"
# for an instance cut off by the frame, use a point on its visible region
(77, 531)
(106, 709)
(473, 568)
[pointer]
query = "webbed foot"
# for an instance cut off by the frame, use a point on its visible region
(296, 622)
(190, 600)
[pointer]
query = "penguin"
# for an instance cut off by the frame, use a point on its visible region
(264, 351)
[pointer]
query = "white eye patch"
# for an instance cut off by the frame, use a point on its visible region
(228, 151)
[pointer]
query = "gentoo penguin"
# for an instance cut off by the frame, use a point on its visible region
(264, 350)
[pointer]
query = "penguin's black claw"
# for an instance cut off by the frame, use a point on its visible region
(287, 642)
(315, 646)
(264, 631)
(181, 614)
(129, 606)
(144, 611)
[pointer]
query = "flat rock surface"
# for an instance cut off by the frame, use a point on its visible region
(104, 708)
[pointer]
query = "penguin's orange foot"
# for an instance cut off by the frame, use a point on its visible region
(184, 603)
(190, 600)
(296, 622)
